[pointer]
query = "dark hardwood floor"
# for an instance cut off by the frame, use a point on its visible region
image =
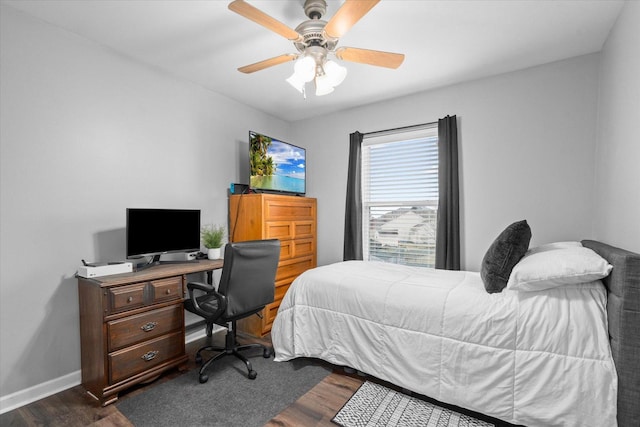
(74, 407)
(320, 404)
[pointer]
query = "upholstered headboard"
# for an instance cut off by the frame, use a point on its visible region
(623, 313)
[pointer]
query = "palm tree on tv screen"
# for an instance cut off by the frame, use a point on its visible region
(261, 164)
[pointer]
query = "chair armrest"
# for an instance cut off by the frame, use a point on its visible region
(200, 286)
(210, 293)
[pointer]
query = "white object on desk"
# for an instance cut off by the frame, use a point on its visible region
(90, 271)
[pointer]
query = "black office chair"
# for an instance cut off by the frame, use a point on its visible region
(246, 286)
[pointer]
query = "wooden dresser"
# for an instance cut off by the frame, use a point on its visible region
(132, 326)
(292, 219)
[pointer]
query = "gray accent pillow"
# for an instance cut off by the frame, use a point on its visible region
(503, 254)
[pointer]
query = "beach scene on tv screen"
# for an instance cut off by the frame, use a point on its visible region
(276, 165)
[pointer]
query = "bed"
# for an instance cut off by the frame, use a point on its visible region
(568, 355)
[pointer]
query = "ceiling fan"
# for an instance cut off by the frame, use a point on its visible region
(316, 41)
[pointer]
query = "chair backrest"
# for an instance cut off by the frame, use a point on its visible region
(248, 276)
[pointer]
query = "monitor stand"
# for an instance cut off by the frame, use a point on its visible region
(173, 258)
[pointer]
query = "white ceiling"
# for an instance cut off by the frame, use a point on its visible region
(445, 42)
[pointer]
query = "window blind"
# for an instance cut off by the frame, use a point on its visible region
(400, 196)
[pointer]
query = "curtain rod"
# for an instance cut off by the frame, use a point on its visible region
(401, 129)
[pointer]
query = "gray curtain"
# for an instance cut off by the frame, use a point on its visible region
(353, 209)
(448, 228)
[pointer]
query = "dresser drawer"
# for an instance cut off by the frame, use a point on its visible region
(128, 297)
(296, 248)
(286, 249)
(270, 312)
(303, 229)
(288, 209)
(286, 230)
(293, 267)
(282, 230)
(281, 289)
(166, 289)
(134, 329)
(132, 360)
(303, 247)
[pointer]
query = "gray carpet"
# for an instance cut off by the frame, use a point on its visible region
(228, 398)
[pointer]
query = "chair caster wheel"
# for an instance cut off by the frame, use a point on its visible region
(198, 359)
(253, 375)
(266, 353)
(203, 378)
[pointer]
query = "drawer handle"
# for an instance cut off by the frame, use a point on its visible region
(168, 291)
(149, 326)
(130, 299)
(150, 355)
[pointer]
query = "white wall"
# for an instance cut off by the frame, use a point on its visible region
(617, 201)
(526, 140)
(86, 133)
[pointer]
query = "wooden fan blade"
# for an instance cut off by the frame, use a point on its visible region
(346, 17)
(371, 57)
(247, 69)
(259, 17)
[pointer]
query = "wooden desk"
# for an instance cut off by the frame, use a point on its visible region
(132, 326)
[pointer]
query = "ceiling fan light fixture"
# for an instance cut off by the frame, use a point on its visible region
(323, 85)
(296, 82)
(305, 69)
(334, 72)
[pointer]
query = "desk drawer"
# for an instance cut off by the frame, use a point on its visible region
(166, 289)
(123, 298)
(134, 329)
(132, 360)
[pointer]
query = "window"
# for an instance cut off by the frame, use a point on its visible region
(400, 196)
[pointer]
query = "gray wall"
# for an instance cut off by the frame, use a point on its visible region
(617, 201)
(527, 143)
(86, 133)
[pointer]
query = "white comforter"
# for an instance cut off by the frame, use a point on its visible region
(535, 358)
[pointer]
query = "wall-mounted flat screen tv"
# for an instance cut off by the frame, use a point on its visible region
(276, 166)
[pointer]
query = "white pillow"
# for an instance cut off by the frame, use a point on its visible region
(557, 267)
(551, 246)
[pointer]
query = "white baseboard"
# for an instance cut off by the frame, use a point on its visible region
(39, 391)
(195, 335)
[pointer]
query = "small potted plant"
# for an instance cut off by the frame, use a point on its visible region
(212, 236)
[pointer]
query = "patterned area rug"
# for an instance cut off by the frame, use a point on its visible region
(376, 405)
